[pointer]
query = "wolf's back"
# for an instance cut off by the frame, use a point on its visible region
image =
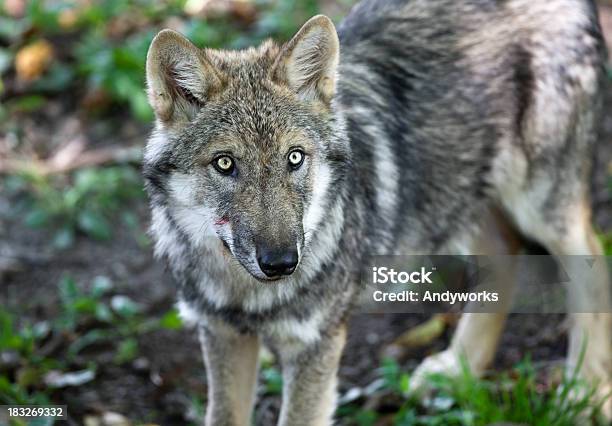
(436, 92)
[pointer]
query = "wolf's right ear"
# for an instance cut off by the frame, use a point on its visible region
(180, 78)
(308, 62)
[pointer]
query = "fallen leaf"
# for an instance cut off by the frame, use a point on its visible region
(423, 334)
(108, 418)
(114, 419)
(33, 60)
(418, 337)
(92, 421)
(57, 379)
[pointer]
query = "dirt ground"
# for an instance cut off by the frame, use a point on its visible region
(170, 367)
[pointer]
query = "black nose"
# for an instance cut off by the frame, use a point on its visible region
(277, 262)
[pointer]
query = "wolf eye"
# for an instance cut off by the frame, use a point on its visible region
(224, 165)
(295, 158)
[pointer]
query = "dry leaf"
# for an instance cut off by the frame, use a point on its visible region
(417, 337)
(423, 334)
(57, 379)
(33, 60)
(108, 418)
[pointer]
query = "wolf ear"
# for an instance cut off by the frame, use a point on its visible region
(308, 62)
(180, 78)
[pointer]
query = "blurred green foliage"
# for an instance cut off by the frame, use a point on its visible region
(100, 46)
(85, 202)
(606, 242)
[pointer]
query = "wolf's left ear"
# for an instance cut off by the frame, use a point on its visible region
(308, 62)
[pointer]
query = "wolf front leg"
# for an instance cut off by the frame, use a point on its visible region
(309, 389)
(231, 362)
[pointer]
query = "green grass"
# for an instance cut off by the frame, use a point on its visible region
(518, 398)
(514, 397)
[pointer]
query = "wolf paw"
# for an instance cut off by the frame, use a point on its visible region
(445, 362)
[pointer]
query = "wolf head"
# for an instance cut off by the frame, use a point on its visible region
(246, 143)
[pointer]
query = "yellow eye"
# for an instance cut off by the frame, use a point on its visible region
(296, 157)
(224, 164)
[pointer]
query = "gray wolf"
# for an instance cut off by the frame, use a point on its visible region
(417, 127)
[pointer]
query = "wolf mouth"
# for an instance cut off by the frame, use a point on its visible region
(253, 268)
